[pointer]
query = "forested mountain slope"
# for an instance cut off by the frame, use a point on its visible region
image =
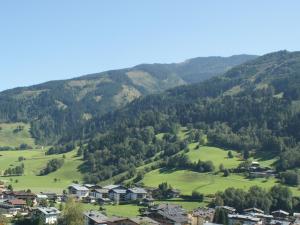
(253, 107)
(57, 107)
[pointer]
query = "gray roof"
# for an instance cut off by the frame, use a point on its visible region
(49, 210)
(96, 216)
(78, 187)
(172, 212)
(112, 186)
(102, 191)
(243, 217)
(137, 190)
(119, 191)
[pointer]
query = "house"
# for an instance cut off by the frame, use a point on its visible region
(15, 203)
(26, 196)
(167, 214)
(78, 191)
(118, 195)
(97, 218)
(201, 216)
(136, 193)
(100, 193)
(279, 222)
(280, 214)
(49, 215)
(253, 210)
(234, 219)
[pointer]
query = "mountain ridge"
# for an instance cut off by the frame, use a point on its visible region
(56, 107)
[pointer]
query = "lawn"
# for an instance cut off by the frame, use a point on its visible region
(188, 181)
(216, 155)
(8, 136)
(35, 161)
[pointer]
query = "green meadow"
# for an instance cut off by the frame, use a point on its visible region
(9, 136)
(35, 160)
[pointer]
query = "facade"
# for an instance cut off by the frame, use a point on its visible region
(49, 215)
(78, 191)
(118, 195)
(134, 194)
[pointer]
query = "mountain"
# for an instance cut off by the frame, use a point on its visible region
(253, 108)
(58, 107)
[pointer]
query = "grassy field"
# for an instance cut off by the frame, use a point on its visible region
(35, 161)
(209, 183)
(8, 136)
(216, 155)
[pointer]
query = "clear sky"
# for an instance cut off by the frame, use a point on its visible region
(58, 39)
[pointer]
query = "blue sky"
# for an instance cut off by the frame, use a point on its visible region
(59, 39)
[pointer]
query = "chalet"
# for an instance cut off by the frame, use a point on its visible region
(49, 215)
(99, 193)
(23, 195)
(280, 214)
(167, 214)
(279, 222)
(118, 195)
(134, 194)
(78, 191)
(234, 219)
(201, 215)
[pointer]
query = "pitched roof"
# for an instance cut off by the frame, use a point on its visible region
(254, 210)
(16, 202)
(78, 187)
(112, 186)
(137, 190)
(172, 212)
(119, 191)
(281, 212)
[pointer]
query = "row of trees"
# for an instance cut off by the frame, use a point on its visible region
(15, 171)
(278, 197)
(52, 165)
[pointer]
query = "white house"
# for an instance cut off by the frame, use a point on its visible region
(78, 191)
(49, 215)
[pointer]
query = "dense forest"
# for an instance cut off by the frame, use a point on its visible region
(59, 107)
(253, 107)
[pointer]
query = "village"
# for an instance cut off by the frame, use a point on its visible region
(45, 207)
